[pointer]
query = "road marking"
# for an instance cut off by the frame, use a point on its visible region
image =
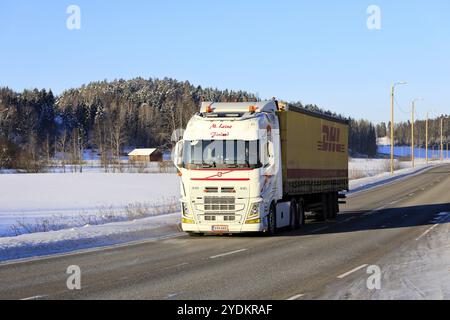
(410, 284)
(177, 265)
(296, 297)
(173, 295)
(92, 250)
(227, 253)
(342, 276)
(320, 229)
(35, 297)
(443, 218)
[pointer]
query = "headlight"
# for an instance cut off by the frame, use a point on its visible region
(254, 210)
(185, 208)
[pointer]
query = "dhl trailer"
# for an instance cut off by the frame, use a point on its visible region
(259, 166)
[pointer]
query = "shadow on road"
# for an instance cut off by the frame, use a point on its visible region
(365, 220)
(389, 218)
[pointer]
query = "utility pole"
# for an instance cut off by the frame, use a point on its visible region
(413, 111)
(392, 122)
(392, 129)
(442, 139)
(412, 132)
(426, 138)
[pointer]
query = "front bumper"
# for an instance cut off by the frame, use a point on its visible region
(232, 228)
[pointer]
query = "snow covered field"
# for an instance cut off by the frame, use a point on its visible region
(71, 196)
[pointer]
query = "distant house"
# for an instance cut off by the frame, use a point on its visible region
(146, 155)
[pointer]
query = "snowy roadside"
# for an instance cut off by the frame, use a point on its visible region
(68, 240)
(366, 183)
(417, 270)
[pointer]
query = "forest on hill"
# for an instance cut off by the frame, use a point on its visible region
(108, 116)
(402, 131)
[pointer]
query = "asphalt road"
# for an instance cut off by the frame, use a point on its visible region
(322, 260)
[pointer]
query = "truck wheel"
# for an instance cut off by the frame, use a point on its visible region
(272, 221)
(331, 207)
(301, 213)
(294, 224)
(324, 214)
(334, 205)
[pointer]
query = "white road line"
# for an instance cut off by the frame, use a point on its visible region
(320, 229)
(443, 218)
(93, 249)
(227, 253)
(34, 297)
(296, 297)
(177, 265)
(374, 211)
(342, 276)
(427, 232)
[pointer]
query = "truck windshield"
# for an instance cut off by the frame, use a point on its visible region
(221, 154)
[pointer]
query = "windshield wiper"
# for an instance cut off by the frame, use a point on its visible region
(206, 165)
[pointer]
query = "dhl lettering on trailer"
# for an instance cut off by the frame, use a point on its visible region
(330, 140)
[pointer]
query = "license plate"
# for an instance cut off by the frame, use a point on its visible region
(219, 228)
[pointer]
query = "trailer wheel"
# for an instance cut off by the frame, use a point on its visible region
(294, 218)
(331, 206)
(324, 214)
(272, 221)
(334, 205)
(301, 213)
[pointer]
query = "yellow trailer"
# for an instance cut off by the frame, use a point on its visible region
(314, 152)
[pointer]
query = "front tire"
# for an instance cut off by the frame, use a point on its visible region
(294, 220)
(301, 213)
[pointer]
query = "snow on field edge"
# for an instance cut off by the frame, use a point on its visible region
(62, 241)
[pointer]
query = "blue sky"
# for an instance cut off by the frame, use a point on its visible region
(314, 51)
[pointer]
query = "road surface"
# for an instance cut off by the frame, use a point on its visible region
(402, 228)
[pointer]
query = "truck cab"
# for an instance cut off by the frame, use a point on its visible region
(229, 168)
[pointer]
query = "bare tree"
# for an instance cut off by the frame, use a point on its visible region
(61, 146)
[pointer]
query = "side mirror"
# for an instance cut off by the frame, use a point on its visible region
(270, 151)
(178, 154)
(270, 159)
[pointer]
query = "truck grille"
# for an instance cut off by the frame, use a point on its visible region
(220, 205)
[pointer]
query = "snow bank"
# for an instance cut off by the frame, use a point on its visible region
(45, 243)
(386, 177)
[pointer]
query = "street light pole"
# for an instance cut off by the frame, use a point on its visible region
(413, 111)
(426, 138)
(412, 132)
(442, 139)
(392, 123)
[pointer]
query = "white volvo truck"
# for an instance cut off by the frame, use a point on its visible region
(257, 167)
